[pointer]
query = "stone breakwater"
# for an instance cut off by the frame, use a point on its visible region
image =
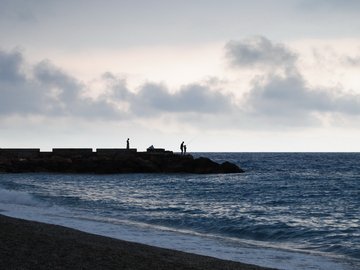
(102, 161)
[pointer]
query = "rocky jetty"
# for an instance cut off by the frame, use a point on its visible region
(105, 161)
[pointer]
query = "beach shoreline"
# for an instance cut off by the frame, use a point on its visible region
(35, 245)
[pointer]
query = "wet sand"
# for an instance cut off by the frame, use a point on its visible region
(34, 245)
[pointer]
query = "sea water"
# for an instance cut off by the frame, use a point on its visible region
(288, 210)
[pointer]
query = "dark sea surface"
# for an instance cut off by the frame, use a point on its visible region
(289, 210)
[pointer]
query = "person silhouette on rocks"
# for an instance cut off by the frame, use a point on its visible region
(127, 144)
(182, 147)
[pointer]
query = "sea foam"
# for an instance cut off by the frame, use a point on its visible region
(17, 198)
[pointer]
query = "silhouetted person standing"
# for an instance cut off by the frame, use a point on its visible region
(182, 147)
(127, 144)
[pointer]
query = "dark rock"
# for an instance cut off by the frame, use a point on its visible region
(231, 168)
(142, 162)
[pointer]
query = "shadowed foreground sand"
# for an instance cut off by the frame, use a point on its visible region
(34, 245)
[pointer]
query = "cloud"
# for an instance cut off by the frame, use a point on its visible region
(259, 52)
(287, 98)
(193, 98)
(155, 98)
(273, 99)
(10, 65)
(291, 101)
(281, 101)
(46, 91)
(17, 94)
(352, 60)
(52, 77)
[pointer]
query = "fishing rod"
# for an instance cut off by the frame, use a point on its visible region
(192, 139)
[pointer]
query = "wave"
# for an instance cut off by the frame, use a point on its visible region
(249, 251)
(18, 198)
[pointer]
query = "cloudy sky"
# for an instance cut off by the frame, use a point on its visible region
(230, 75)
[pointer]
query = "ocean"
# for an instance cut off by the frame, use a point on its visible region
(287, 211)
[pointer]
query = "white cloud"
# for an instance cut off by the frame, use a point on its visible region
(285, 99)
(259, 52)
(274, 99)
(48, 91)
(51, 91)
(194, 98)
(352, 60)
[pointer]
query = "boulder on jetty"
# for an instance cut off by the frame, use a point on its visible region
(106, 161)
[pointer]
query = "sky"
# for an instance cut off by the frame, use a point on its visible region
(226, 76)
